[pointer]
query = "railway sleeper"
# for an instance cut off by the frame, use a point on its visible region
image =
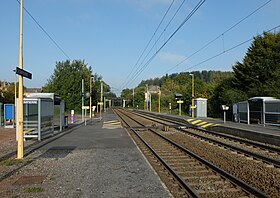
(212, 184)
(196, 183)
(175, 155)
(187, 168)
(204, 177)
(231, 192)
(195, 173)
(186, 160)
(179, 163)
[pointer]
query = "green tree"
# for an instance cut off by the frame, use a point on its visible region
(67, 82)
(7, 94)
(259, 74)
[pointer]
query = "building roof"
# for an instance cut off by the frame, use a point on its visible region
(264, 99)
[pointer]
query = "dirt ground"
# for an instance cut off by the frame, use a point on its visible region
(7, 135)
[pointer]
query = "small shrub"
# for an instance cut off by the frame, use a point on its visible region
(34, 190)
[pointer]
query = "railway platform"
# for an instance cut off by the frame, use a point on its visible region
(266, 134)
(96, 160)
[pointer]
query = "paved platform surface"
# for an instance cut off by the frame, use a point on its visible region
(210, 122)
(266, 134)
(272, 130)
(97, 160)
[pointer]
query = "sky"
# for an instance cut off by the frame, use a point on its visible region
(111, 35)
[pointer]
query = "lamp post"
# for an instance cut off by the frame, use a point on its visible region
(82, 100)
(159, 93)
(147, 97)
(133, 98)
(90, 97)
(101, 96)
(20, 89)
(192, 107)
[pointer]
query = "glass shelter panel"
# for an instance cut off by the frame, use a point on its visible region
(30, 118)
(243, 111)
(272, 113)
(46, 118)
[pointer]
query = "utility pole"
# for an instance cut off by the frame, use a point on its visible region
(192, 95)
(133, 97)
(101, 96)
(147, 98)
(150, 97)
(20, 152)
(159, 93)
(83, 100)
(90, 92)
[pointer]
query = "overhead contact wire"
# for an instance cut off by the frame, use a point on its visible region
(180, 26)
(222, 34)
(48, 35)
(150, 41)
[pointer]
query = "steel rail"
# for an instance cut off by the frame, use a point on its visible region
(227, 175)
(232, 178)
(166, 118)
(190, 190)
(249, 153)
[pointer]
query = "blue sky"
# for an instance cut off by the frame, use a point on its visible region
(110, 35)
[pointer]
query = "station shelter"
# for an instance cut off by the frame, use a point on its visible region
(42, 114)
(260, 110)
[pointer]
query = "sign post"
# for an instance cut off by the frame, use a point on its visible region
(224, 108)
(85, 108)
(72, 116)
(180, 102)
(100, 103)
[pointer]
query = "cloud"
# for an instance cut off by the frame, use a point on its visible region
(171, 58)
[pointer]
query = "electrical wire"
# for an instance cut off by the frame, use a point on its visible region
(48, 35)
(161, 35)
(232, 48)
(149, 41)
(222, 34)
(155, 54)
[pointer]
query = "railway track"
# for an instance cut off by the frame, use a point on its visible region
(257, 151)
(198, 177)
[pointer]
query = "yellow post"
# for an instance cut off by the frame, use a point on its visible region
(15, 94)
(192, 95)
(20, 90)
(90, 108)
(159, 93)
